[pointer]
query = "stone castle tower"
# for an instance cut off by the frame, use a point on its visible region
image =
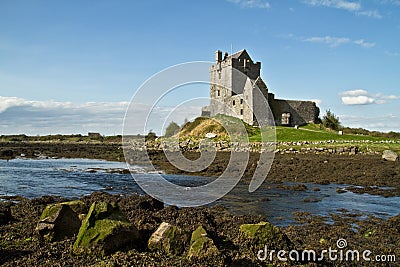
(237, 92)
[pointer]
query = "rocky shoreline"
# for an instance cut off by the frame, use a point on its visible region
(225, 239)
(321, 165)
(228, 241)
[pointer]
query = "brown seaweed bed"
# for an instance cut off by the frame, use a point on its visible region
(19, 245)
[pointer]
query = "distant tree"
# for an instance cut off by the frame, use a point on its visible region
(331, 121)
(172, 129)
(151, 136)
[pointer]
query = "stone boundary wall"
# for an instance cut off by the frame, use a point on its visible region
(318, 147)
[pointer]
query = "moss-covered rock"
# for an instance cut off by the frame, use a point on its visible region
(369, 233)
(77, 206)
(59, 221)
(201, 246)
(265, 233)
(169, 239)
(105, 230)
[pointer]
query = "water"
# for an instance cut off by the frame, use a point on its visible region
(74, 178)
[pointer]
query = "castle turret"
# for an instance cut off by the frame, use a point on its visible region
(218, 56)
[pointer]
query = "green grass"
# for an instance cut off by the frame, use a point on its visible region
(313, 133)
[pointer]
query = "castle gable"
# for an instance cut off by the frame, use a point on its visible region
(241, 55)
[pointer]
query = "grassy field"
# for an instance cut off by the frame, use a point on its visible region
(314, 134)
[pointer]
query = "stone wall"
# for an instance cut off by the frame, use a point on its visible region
(350, 147)
(301, 112)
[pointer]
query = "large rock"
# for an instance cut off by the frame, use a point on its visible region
(105, 230)
(169, 239)
(211, 135)
(201, 246)
(5, 213)
(390, 155)
(265, 233)
(59, 221)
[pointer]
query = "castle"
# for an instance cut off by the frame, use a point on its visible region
(237, 92)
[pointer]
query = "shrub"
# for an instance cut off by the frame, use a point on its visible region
(331, 121)
(151, 136)
(172, 129)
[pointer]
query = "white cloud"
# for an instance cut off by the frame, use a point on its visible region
(392, 54)
(357, 100)
(251, 3)
(356, 92)
(357, 97)
(391, 97)
(351, 6)
(370, 13)
(384, 122)
(337, 41)
(30, 117)
(340, 4)
(7, 102)
(362, 43)
(331, 41)
(362, 97)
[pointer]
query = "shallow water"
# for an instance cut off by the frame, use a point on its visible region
(74, 178)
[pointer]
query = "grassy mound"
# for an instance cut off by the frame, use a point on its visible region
(203, 125)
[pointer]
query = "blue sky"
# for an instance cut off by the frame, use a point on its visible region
(72, 66)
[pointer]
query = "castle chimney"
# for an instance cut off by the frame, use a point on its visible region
(218, 56)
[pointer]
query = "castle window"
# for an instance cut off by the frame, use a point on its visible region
(241, 101)
(241, 112)
(286, 118)
(219, 92)
(233, 102)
